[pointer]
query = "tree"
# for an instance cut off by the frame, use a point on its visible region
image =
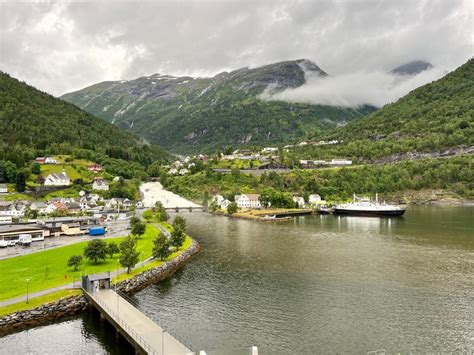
(160, 210)
(112, 249)
(20, 181)
(177, 237)
(96, 249)
(161, 248)
(179, 223)
(75, 261)
(134, 220)
(148, 215)
(138, 229)
(232, 208)
(36, 168)
(10, 171)
(31, 213)
(128, 253)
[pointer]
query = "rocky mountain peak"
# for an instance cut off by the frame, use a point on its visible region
(412, 68)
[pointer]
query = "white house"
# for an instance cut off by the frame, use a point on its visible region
(267, 150)
(100, 184)
(50, 208)
(314, 199)
(57, 180)
(173, 171)
(39, 206)
(340, 162)
(183, 171)
(221, 201)
(248, 201)
(50, 160)
(299, 201)
(12, 209)
(3, 188)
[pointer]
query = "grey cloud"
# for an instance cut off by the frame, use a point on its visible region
(63, 46)
(374, 88)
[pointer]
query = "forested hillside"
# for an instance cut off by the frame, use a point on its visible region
(37, 124)
(186, 114)
(433, 118)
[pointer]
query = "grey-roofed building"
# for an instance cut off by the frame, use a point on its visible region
(13, 231)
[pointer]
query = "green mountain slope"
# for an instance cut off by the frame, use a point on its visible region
(186, 114)
(434, 118)
(35, 123)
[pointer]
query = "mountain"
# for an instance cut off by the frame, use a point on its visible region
(412, 68)
(437, 118)
(35, 124)
(186, 114)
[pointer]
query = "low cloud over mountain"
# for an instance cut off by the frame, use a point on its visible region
(374, 88)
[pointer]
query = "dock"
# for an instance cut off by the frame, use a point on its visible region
(141, 332)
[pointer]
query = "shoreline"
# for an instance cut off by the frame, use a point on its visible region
(74, 305)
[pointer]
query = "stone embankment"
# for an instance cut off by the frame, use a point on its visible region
(73, 305)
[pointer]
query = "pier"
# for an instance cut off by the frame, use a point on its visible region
(141, 332)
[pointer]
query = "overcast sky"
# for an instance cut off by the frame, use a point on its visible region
(64, 46)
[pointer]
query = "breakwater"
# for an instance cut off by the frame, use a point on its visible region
(73, 305)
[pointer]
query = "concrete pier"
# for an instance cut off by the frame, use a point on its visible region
(141, 332)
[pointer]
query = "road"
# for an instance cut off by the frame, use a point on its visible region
(74, 283)
(114, 229)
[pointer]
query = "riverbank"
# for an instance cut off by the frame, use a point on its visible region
(73, 305)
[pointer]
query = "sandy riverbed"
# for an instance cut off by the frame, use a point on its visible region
(153, 191)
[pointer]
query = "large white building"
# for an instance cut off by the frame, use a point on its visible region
(57, 180)
(248, 201)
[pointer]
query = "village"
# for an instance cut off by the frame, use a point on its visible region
(25, 220)
(268, 158)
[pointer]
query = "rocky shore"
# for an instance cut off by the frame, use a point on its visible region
(73, 305)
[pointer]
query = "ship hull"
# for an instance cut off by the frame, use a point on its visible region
(352, 212)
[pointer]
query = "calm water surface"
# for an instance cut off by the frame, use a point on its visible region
(316, 284)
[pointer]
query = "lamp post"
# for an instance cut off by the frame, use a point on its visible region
(27, 282)
(162, 341)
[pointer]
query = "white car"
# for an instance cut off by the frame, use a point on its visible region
(3, 243)
(12, 243)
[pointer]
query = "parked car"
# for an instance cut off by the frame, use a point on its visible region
(25, 239)
(12, 243)
(3, 243)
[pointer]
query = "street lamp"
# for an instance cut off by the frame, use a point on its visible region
(162, 341)
(27, 282)
(141, 257)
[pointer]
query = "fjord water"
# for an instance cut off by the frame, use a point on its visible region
(315, 284)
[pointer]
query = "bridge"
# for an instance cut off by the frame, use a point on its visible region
(141, 332)
(185, 208)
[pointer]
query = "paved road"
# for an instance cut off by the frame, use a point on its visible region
(73, 283)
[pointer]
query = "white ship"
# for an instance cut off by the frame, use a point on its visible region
(365, 207)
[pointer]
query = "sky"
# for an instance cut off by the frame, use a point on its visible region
(60, 47)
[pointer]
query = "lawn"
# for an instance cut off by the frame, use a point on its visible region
(71, 171)
(49, 268)
(187, 243)
(38, 301)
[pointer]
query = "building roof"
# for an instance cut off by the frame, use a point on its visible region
(97, 277)
(7, 228)
(253, 197)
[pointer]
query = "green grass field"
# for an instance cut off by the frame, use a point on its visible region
(49, 268)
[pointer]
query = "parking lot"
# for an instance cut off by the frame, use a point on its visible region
(114, 229)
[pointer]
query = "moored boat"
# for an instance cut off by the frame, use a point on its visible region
(365, 207)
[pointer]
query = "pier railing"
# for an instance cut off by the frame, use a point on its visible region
(115, 316)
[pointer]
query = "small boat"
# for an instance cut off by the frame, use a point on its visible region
(325, 210)
(365, 207)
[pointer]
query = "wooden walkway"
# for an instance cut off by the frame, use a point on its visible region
(145, 335)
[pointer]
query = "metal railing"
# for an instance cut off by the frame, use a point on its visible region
(136, 337)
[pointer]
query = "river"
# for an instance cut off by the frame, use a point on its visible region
(315, 284)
